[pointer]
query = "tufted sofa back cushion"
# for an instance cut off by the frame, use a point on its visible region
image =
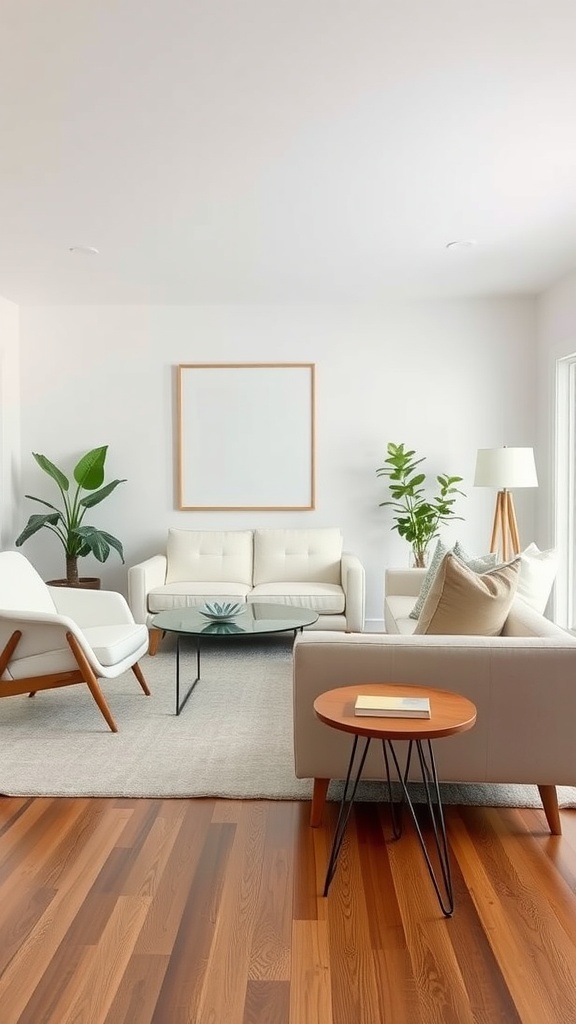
(209, 556)
(297, 556)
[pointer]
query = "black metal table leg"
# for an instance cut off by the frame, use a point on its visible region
(345, 810)
(434, 804)
(180, 705)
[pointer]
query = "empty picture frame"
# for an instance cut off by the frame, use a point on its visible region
(246, 436)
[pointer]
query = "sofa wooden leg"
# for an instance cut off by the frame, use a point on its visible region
(319, 794)
(549, 798)
(154, 638)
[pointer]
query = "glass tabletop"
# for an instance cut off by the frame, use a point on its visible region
(254, 618)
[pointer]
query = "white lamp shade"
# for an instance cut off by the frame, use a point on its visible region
(505, 468)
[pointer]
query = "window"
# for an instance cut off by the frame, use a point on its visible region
(565, 599)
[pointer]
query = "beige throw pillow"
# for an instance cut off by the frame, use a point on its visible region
(461, 601)
(479, 563)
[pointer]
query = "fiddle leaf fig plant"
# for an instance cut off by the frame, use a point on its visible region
(67, 522)
(418, 518)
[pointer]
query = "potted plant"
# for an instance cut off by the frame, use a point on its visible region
(67, 523)
(418, 518)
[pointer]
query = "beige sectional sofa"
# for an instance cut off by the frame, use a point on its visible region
(522, 682)
(302, 567)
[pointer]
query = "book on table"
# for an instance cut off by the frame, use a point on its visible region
(402, 706)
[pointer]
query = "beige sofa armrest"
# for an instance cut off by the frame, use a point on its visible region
(354, 587)
(403, 582)
(142, 578)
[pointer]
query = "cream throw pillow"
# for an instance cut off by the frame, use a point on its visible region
(461, 601)
(537, 574)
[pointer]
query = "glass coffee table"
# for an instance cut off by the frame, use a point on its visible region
(253, 620)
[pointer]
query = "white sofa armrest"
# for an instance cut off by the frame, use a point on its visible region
(354, 587)
(43, 632)
(142, 578)
(403, 582)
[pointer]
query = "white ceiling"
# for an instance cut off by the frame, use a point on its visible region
(285, 150)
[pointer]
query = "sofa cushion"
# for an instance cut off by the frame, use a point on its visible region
(524, 621)
(537, 574)
(397, 608)
(111, 644)
(461, 601)
(324, 598)
(209, 556)
(297, 556)
(479, 563)
(189, 595)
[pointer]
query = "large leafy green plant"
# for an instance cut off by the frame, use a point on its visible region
(67, 522)
(418, 518)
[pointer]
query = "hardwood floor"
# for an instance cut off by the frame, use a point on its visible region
(204, 911)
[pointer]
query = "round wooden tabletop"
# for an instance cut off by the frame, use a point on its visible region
(449, 712)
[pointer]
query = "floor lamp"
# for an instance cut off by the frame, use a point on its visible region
(505, 468)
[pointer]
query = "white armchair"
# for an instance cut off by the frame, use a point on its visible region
(57, 636)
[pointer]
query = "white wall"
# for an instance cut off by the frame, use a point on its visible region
(9, 420)
(446, 377)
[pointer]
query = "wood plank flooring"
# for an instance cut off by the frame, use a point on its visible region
(209, 912)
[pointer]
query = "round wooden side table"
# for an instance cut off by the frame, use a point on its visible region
(450, 713)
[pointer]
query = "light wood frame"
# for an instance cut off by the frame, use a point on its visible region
(246, 436)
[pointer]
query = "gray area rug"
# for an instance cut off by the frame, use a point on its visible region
(233, 738)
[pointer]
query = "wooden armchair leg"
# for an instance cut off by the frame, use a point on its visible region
(96, 692)
(549, 798)
(91, 680)
(319, 794)
(140, 677)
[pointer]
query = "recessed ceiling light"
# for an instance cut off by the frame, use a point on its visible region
(84, 250)
(462, 243)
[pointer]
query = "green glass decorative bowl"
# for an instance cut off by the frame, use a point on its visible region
(219, 612)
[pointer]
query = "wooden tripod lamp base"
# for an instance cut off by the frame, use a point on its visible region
(505, 535)
(505, 469)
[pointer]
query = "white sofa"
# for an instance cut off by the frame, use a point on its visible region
(522, 682)
(301, 567)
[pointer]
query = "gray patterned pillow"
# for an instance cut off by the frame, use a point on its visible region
(428, 580)
(478, 563)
